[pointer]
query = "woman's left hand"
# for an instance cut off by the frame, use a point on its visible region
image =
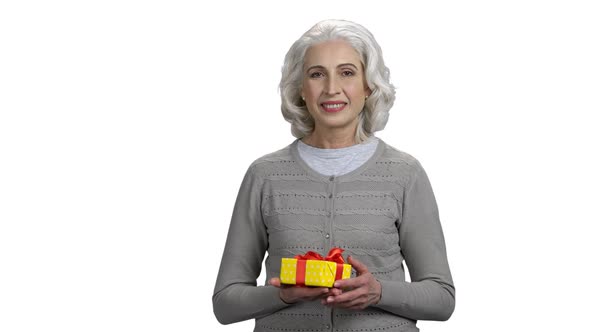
(359, 292)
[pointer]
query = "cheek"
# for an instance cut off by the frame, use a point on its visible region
(355, 90)
(312, 88)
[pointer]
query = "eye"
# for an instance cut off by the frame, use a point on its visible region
(347, 72)
(316, 74)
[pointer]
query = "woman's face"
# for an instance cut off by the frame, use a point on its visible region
(334, 86)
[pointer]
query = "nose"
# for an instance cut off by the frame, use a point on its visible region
(332, 86)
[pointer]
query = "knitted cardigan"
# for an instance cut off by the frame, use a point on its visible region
(382, 213)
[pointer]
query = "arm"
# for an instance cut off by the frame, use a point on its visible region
(431, 294)
(236, 296)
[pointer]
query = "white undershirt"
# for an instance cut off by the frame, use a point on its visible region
(337, 161)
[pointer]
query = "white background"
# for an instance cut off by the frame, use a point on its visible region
(126, 128)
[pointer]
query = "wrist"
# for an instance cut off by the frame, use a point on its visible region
(378, 291)
(283, 299)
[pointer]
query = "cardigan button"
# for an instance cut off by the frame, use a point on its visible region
(332, 178)
(330, 196)
(328, 236)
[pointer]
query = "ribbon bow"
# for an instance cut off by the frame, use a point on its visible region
(334, 255)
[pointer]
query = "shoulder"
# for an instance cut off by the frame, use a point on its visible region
(394, 155)
(282, 155)
(275, 162)
(404, 165)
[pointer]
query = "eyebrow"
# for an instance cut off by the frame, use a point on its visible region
(340, 65)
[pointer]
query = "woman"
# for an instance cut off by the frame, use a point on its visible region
(337, 185)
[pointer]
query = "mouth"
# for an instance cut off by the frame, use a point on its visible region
(333, 107)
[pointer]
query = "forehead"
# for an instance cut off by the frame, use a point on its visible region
(331, 54)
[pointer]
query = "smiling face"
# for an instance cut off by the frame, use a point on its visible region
(334, 86)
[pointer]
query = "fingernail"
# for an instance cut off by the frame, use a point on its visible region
(329, 299)
(336, 284)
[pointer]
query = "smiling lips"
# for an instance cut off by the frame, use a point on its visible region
(333, 106)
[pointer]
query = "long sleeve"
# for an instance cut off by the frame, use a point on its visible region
(236, 296)
(431, 294)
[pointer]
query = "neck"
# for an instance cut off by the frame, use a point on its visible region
(331, 140)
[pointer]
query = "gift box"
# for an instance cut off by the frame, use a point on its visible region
(312, 269)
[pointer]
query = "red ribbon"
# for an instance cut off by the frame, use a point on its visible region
(335, 255)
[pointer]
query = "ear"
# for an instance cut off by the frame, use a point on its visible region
(367, 89)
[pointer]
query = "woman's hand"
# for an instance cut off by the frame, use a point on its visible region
(293, 294)
(355, 293)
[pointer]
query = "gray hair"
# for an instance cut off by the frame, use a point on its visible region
(375, 113)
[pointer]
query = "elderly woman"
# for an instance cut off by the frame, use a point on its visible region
(336, 185)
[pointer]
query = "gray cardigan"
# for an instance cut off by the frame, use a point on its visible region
(382, 213)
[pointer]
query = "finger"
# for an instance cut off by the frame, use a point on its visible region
(357, 303)
(334, 292)
(352, 282)
(317, 292)
(340, 302)
(319, 297)
(357, 265)
(347, 284)
(275, 282)
(347, 296)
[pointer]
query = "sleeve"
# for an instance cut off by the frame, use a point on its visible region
(431, 294)
(236, 296)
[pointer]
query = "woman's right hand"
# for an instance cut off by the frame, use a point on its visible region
(292, 294)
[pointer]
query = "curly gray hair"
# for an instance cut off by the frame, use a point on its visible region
(375, 113)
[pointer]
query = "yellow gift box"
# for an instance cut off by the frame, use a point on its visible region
(312, 269)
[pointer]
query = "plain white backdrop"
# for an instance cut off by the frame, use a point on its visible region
(126, 128)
